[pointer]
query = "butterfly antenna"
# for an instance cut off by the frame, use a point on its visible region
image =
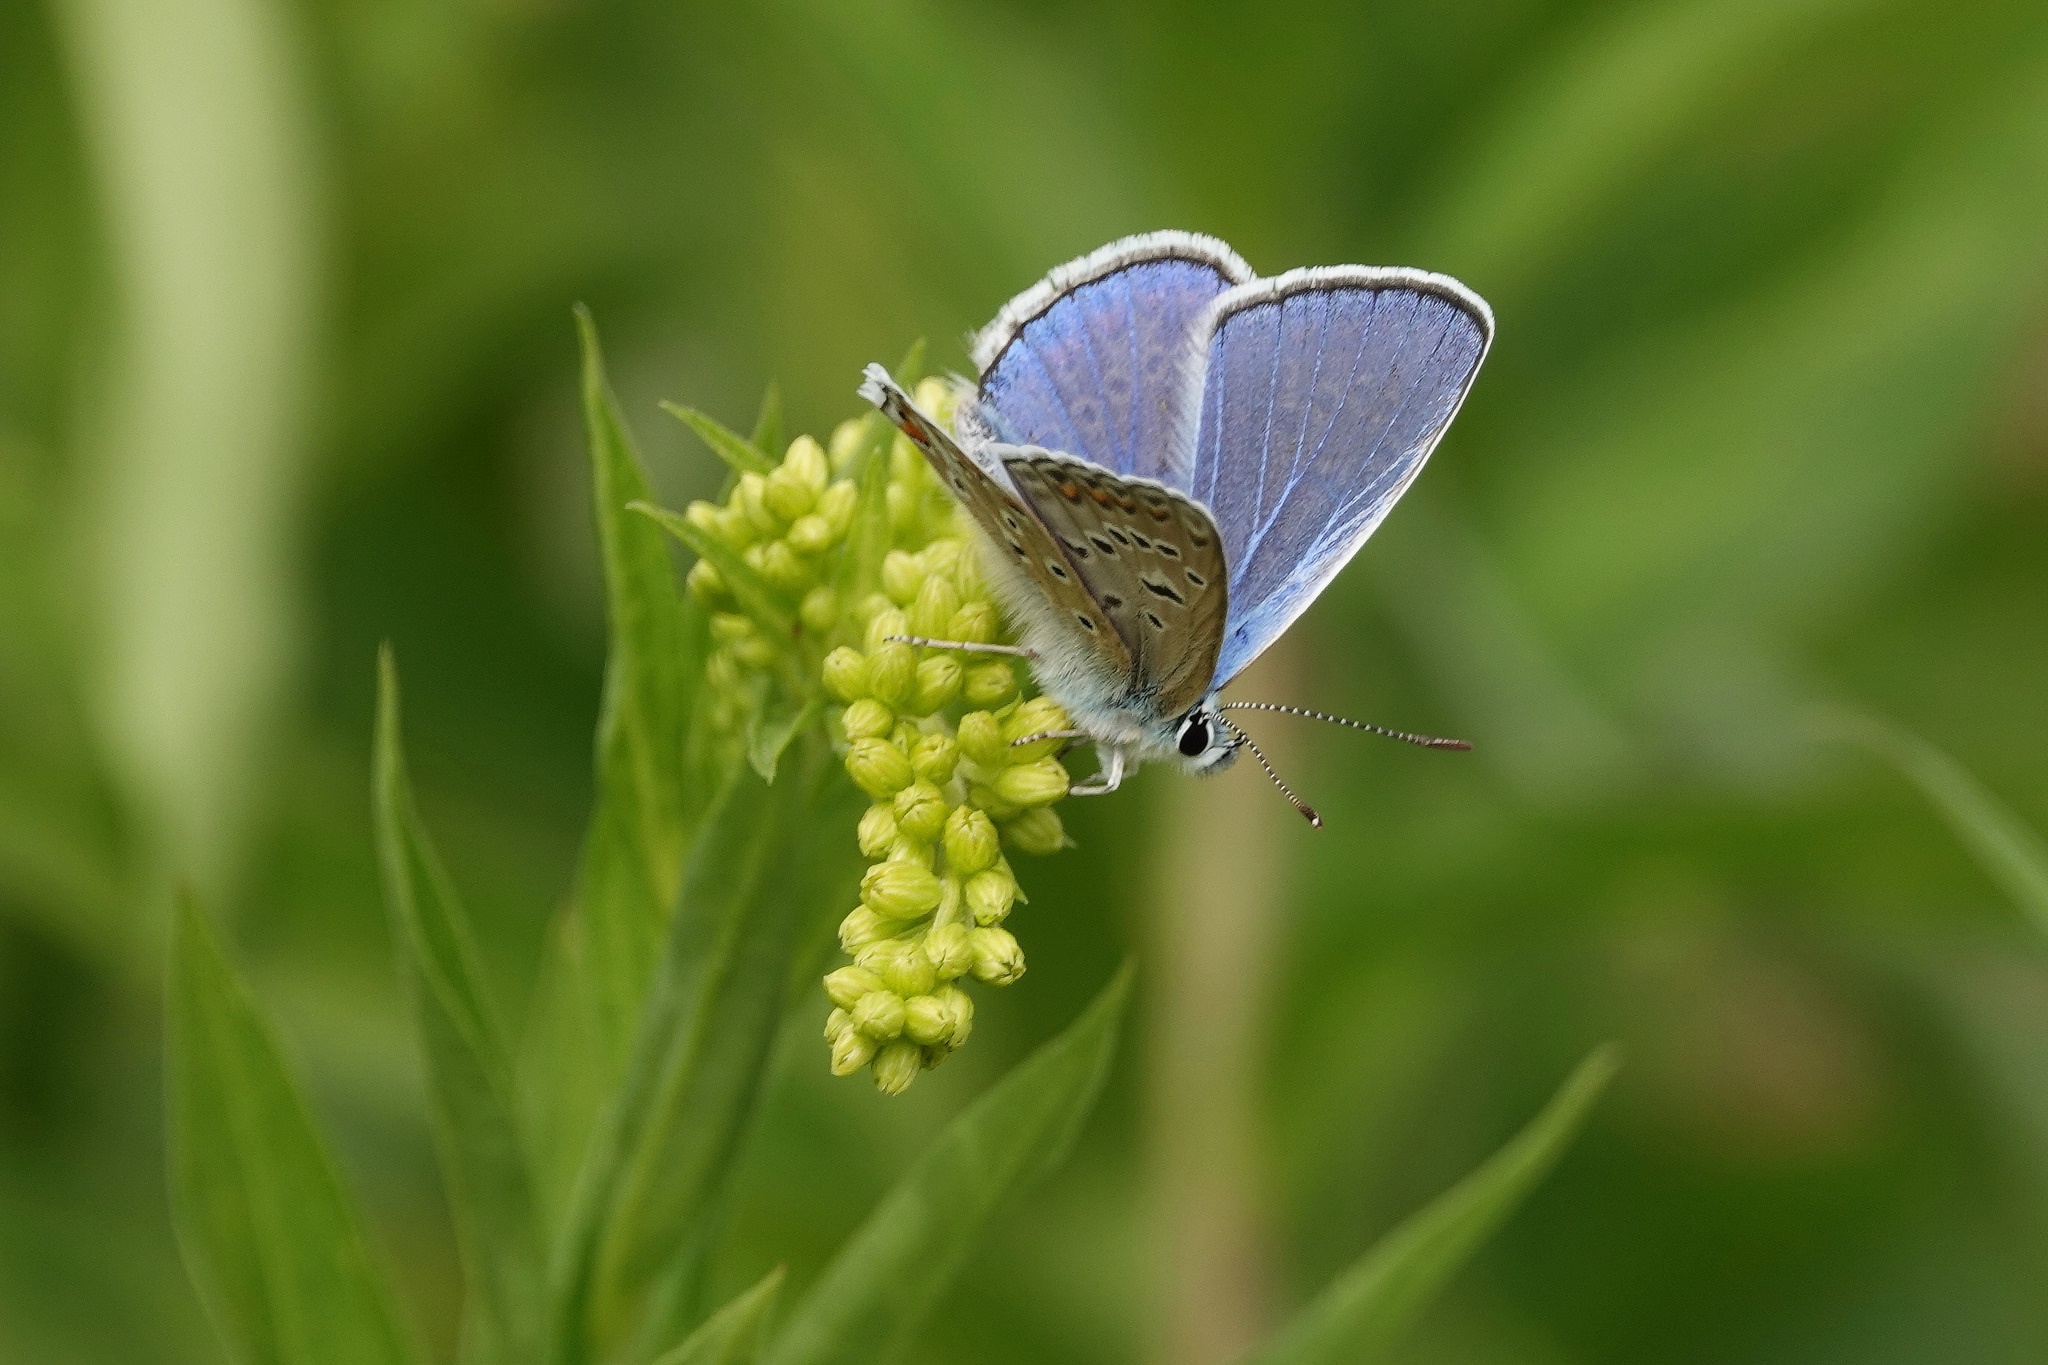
(1426, 741)
(1308, 812)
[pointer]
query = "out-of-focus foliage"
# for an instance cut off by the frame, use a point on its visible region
(287, 368)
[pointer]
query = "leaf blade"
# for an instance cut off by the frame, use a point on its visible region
(742, 455)
(878, 1287)
(757, 596)
(1362, 1310)
(732, 1335)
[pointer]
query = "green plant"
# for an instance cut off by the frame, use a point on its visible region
(586, 1185)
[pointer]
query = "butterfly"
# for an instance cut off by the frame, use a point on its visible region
(1167, 458)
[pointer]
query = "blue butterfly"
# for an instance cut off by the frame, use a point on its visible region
(1168, 458)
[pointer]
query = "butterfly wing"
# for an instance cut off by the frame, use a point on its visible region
(1093, 359)
(1151, 559)
(1039, 582)
(1324, 392)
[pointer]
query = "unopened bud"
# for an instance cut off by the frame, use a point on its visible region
(921, 811)
(878, 767)
(877, 831)
(899, 890)
(997, 958)
(867, 719)
(755, 651)
(970, 841)
(787, 495)
(902, 967)
(989, 896)
(819, 611)
(782, 567)
(934, 757)
(967, 573)
(1037, 832)
(975, 623)
(1040, 715)
(706, 584)
(836, 1023)
(942, 555)
(733, 527)
(847, 439)
(806, 462)
(837, 504)
(1037, 783)
(728, 627)
(986, 797)
(752, 493)
(938, 683)
(846, 674)
(811, 535)
(845, 986)
(703, 515)
(896, 1066)
(851, 1051)
(949, 950)
(959, 1012)
(879, 1014)
(863, 928)
(892, 674)
(981, 740)
(932, 611)
(902, 576)
(926, 1020)
(902, 507)
(990, 683)
(906, 850)
(883, 623)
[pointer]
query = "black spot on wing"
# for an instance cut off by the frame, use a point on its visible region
(1165, 590)
(1103, 545)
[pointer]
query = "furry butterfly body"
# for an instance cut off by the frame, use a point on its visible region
(1168, 458)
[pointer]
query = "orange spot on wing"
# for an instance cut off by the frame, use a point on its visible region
(1099, 496)
(1071, 492)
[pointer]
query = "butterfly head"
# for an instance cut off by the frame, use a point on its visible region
(1205, 741)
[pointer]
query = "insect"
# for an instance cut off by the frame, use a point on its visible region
(1167, 458)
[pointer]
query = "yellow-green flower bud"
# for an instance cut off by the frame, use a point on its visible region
(836, 506)
(902, 509)
(845, 986)
(949, 950)
(847, 439)
(896, 1066)
(997, 958)
(990, 894)
(879, 1014)
(883, 624)
(728, 627)
(851, 1051)
(1037, 831)
(819, 611)
(867, 719)
(703, 515)
(985, 797)
(981, 740)
(846, 674)
(902, 576)
(863, 928)
(920, 811)
(942, 556)
(734, 528)
(878, 767)
(877, 831)
(970, 840)
(806, 461)
(968, 573)
(975, 623)
(1038, 716)
(899, 889)
(723, 672)
(752, 492)
(949, 901)
(960, 1011)
(811, 535)
(902, 966)
(934, 757)
(1037, 783)
(782, 567)
(836, 1023)
(990, 683)
(926, 1020)
(787, 494)
(932, 611)
(911, 851)
(706, 584)
(938, 683)
(892, 674)
(904, 461)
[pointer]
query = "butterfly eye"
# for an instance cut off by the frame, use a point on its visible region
(1194, 736)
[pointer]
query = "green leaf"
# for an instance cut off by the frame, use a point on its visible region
(649, 1202)
(471, 1087)
(759, 598)
(767, 437)
(2009, 851)
(910, 369)
(773, 731)
(728, 445)
(270, 1237)
(1360, 1313)
(732, 1335)
(883, 1281)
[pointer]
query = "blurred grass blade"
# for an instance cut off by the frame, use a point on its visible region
(2010, 852)
(910, 369)
(471, 1089)
(767, 437)
(648, 1203)
(270, 1236)
(757, 596)
(1359, 1314)
(889, 1273)
(734, 1334)
(773, 731)
(737, 451)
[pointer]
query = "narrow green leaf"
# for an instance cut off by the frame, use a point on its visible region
(867, 535)
(883, 1281)
(1360, 1313)
(733, 1335)
(2008, 850)
(758, 597)
(767, 437)
(773, 731)
(471, 1089)
(270, 1237)
(649, 1202)
(910, 369)
(728, 445)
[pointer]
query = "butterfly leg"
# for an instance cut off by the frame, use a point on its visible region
(1108, 780)
(1049, 734)
(967, 645)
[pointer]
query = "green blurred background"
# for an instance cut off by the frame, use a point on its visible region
(287, 369)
